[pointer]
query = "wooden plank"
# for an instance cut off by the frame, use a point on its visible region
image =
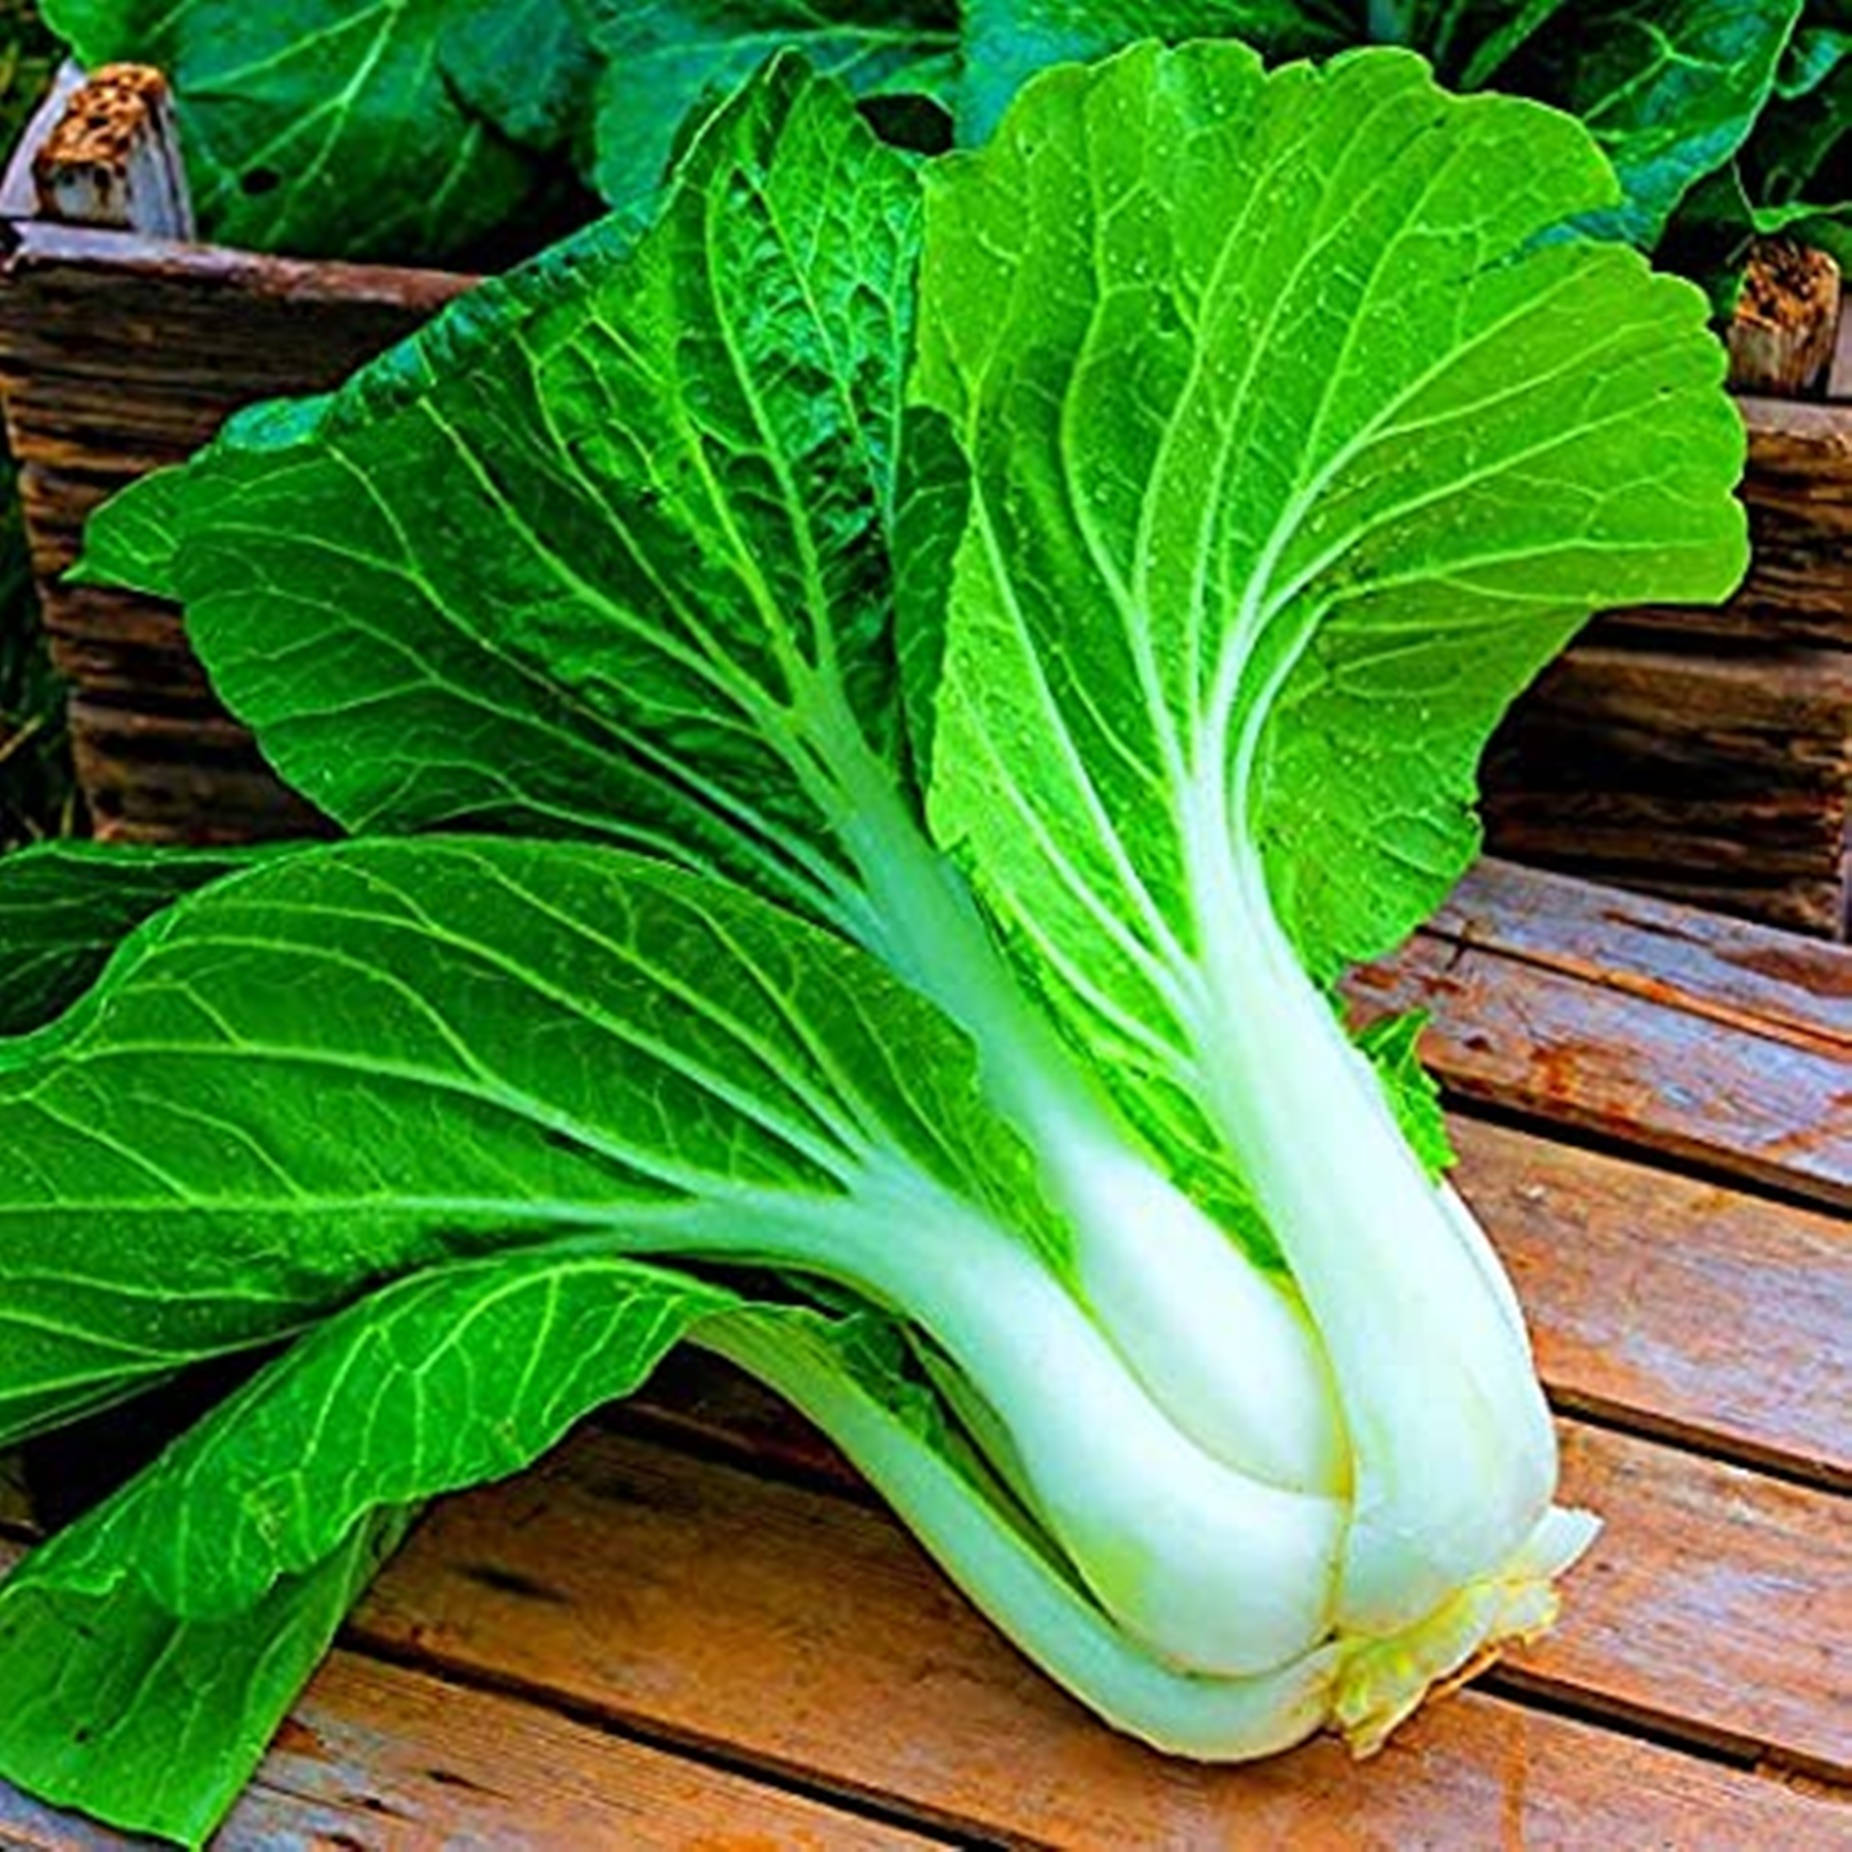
(1726, 774)
(120, 354)
(1671, 1306)
(1716, 1604)
(381, 1756)
(1692, 1550)
(1657, 1061)
(1734, 972)
(700, 1601)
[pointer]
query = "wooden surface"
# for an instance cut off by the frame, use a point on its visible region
(119, 354)
(693, 1626)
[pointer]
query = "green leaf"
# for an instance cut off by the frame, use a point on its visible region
(450, 1378)
(1006, 42)
(662, 58)
(153, 1723)
(1393, 1045)
(65, 906)
(1300, 444)
(1670, 88)
(318, 127)
(527, 66)
(607, 553)
(350, 1063)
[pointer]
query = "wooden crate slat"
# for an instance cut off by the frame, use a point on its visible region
(375, 1754)
(898, 1692)
(1741, 974)
(1747, 1097)
(806, 1630)
(1717, 1603)
(1669, 1305)
(1724, 776)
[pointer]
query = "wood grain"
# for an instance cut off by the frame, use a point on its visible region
(1724, 777)
(1740, 975)
(1716, 1604)
(119, 354)
(701, 1601)
(1655, 1049)
(1671, 1306)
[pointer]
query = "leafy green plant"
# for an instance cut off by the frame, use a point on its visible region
(412, 132)
(872, 714)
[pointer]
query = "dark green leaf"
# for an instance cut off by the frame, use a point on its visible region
(1007, 41)
(1671, 89)
(65, 906)
(319, 127)
(662, 58)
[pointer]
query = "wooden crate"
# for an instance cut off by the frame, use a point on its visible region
(1701, 754)
(692, 1626)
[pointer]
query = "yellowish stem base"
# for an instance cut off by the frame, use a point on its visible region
(1381, 1682)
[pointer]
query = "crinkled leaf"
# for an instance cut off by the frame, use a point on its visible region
(607, 552)
(317, 126)
(527, 66)
(662, 58)
(1393, 1045)
(65, 906)
(354, 1062)
(447, 1379)
(229, 1563)
(1300, 445)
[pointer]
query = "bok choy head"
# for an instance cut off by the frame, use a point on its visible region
(871, 715)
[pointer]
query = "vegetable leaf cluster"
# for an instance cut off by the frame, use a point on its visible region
(418, 129)
(870, 710)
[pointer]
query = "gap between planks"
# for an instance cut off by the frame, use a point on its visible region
(1716, 1046)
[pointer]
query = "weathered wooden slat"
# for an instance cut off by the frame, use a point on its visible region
(120, 354)
(1707, 1079)
(1715, 1606)
(1542, 1044)
(1670, 1306)
(1725, 776)
(377, 1756)
(804, 1630)
(1739, 974)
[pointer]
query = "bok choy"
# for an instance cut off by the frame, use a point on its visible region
(871, 716)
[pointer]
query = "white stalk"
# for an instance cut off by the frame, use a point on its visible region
(1212, 1570)
(1453, 1455)
(1018, 1589)
(1225, 1349)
